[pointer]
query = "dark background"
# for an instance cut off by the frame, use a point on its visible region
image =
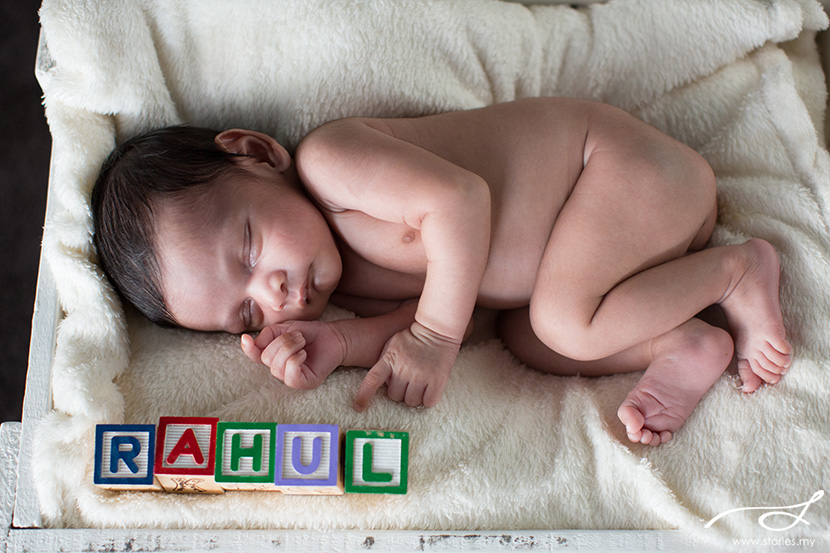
(25, 146)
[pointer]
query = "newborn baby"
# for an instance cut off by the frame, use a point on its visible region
(584, 225)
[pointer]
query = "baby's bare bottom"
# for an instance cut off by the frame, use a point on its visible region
(623, 276)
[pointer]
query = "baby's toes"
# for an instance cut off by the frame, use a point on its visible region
(779, 343)
(768, 376)
(761, 363)
(656, 438)
(633, 420)
(765, 375)
(659, 438)
(634, 437)
(750, 380)
(778, 358)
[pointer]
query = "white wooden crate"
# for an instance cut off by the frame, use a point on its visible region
(21, 528)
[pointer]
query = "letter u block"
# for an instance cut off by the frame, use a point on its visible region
(124, 456)
(376, 462)
(308, 459)
(186, 454)
(245, 455)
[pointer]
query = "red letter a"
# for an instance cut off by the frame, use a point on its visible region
(187, 445)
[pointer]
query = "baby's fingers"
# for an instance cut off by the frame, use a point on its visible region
(414, 395)
(373, 380)
(280, 350)
(433, 395)
(268, 335)
(295, 373)
(250, 348)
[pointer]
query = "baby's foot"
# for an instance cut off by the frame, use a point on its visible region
(687, 361)
(754, 316)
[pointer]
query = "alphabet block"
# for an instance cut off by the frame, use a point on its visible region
(186, 454)
(245, 455)
(308, 459)
(124, 456)
(376, 462)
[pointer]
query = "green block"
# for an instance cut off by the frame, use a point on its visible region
(245, 455)
(376, 461)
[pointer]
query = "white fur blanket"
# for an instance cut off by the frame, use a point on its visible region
(507, 448)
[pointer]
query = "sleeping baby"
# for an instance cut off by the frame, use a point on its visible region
(584, 226)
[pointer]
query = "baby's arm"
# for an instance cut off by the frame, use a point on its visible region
(350, 165)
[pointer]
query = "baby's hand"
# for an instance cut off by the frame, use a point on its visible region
(415, 365)
(300, 353)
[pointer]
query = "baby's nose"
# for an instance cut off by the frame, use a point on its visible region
(276, 291)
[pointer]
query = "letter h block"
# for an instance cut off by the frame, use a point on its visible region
(186, 453)
(376, 462)
(308, 459)
(245, 455)
(124, 456)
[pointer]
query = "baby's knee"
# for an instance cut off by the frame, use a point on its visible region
(563, 333)
(689, 173)
(702, 177)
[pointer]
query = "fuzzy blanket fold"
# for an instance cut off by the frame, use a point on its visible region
(507, 448)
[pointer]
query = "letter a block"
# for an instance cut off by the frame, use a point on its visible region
(376, 462)
(124, 456)
(245, 455)
(308, 459)
(185, 454)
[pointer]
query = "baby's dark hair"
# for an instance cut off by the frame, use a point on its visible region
(162, 164)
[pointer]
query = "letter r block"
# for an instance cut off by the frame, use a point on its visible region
(245, 455)
(124, 456)
(308, 459)
(186, 453)
(376, 462)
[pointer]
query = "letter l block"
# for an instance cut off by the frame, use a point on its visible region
(376, 461)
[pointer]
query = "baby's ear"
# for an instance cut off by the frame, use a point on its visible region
(256, 146)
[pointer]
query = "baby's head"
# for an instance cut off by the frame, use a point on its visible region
(212, 231)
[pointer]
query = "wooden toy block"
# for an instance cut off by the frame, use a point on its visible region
(245, 455)
(186, 454)
(308, 459)
(376, 462)
(124, 456)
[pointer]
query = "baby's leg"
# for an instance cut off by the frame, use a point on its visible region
(617, 269)
(682, 365)
(515, 331)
